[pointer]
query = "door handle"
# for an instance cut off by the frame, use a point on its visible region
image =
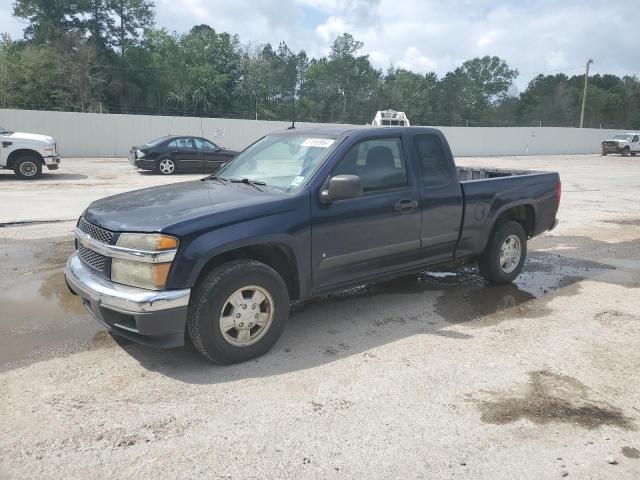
(406, 205)
(7, 144)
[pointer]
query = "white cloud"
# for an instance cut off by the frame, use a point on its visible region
(333, 27)
(8, 23)
(414, 60)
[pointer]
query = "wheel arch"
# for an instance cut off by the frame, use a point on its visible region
(23, 152)
(524, 214)
(278, 256)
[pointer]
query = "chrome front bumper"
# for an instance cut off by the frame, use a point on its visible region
(155, 318)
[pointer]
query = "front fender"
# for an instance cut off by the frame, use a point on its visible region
(290, 229)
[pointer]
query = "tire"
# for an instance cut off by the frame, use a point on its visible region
(28, 168)
(625, 151)
(212, 309)
(491, 267)
(604, 154)
(633, 154)
(166, 166)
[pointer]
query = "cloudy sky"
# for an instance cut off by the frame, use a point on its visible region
(546, 36)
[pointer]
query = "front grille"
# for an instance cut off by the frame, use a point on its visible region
(95, 232)
(91, 258)
(610, 144)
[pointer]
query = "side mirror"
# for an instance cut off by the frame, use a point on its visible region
(342, 187)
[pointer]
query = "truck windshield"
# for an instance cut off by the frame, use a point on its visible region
(283, 162)
(622, 137)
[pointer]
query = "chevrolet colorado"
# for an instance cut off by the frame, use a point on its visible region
(295, 215)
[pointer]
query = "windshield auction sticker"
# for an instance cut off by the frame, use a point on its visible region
(318, 142)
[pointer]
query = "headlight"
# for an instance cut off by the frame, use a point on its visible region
(137, 274)
(139, 153)
(149, 242)
(49, 150)
(143, 274)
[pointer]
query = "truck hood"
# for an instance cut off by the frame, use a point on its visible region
(162, 209)
(32, 137)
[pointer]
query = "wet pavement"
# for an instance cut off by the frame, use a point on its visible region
(41, 319)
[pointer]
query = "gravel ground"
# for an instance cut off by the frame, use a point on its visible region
(429, 376)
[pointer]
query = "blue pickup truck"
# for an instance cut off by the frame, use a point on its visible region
(297, 214)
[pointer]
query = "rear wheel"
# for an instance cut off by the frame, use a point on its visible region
(505, 254)
(237, 311)
(166, 166)
(27, 168)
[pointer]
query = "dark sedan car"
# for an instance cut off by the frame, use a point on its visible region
(173, 153)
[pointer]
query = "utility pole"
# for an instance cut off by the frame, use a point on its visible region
(584, 94)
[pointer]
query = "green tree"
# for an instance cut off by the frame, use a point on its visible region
(48, 19)
(132, 18)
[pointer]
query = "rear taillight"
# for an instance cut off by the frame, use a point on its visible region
(558, 191)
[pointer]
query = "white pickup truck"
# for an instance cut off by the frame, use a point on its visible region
(26, 153)
(624, 143)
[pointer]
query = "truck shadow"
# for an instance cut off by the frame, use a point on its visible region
(46, 177)
(451, 305)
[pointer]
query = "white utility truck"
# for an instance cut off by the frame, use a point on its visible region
(390, 118)
(26, 153)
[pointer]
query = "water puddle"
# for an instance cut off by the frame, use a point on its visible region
(41, 319)
(463, 296)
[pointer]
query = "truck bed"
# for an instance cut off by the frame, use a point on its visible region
(476, 173)
(489, 191)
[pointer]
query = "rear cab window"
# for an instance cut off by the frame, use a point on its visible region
(433, 163)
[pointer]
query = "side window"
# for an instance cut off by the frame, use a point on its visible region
(380, 164)
(434, 164)
(202, 144)
(181, 143)
(635, 138)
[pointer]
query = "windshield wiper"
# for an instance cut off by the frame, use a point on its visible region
(246, 181)
(215, 177)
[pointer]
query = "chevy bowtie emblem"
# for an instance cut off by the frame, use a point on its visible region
(85, 240)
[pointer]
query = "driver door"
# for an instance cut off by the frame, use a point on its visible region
(376, 232)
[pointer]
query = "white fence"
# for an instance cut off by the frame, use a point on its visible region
(108, 135)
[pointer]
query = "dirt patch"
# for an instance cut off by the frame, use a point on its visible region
(553, 398)
(615, 318)
(628, 221)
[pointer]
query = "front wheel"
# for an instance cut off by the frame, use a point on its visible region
(27, 168)
(166, 166)
(237, 311)
(505, 254)
(625, 151)
(604, 153)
